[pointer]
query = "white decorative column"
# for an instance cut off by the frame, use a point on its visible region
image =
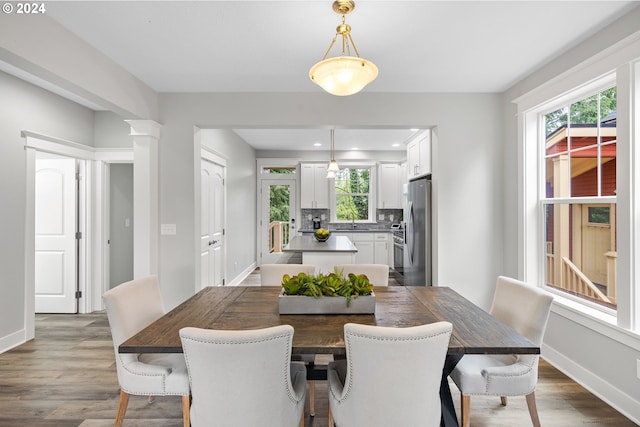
(146, 226)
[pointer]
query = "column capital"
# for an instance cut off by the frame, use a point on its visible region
(144, 128)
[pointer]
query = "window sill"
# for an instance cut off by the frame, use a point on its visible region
(595, 320)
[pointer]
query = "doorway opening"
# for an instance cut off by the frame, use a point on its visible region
(91, 216)
(120, 223)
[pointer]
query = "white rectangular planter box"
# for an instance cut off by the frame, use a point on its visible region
(300, 304)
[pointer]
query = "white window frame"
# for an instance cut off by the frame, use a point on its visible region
(570, 98)
(372, 193)
(620, 66)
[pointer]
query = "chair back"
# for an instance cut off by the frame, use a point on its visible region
(243, 378)
(393, 375)
(525, 308)
(378, 274)
(131, 307)
(271, 274)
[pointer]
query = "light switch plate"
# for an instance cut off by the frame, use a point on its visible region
(167, 229)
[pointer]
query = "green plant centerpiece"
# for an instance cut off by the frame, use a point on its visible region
(327, 285)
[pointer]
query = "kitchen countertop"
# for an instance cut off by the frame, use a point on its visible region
(310, 244)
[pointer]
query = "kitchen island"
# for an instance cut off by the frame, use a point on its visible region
(324, 255)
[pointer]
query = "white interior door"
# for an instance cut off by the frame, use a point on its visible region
(277, 222)
(212, 243)
(55, 236)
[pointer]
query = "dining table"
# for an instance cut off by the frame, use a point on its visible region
(251, 307)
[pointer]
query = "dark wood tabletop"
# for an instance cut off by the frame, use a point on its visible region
(252, 307)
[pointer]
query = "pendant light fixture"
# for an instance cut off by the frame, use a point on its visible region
(333, 165)
(343, 75)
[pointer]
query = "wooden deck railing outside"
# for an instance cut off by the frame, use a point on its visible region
(278, 235)
(574, 280)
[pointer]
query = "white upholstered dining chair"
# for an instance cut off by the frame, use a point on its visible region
(526, 309)
(244, 378)
(378, 274)
(391, 376)
(271, 274)
(131, 307)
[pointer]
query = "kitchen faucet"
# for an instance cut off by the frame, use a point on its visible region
(353, 217)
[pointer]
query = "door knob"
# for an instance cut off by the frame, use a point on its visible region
(213, 242)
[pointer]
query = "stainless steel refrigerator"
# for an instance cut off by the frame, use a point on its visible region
(417, 251)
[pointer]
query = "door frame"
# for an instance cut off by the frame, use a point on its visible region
(91, 257)
(275, 163)
(210, 155)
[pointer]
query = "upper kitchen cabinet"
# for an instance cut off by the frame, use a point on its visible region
(419, 155)
(314, 186)
(390, 179)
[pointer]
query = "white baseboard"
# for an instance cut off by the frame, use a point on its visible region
(12, 340)
(243, 275)
(622, 402)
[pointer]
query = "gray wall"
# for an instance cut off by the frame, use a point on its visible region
(467, 172)
(120, 224)
(111, 131)
(25, 107)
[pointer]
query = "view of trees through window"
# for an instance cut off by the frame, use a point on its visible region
(580, 162)
(352, 194)
(279, 203)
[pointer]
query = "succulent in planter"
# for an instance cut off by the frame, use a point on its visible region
(331, 285)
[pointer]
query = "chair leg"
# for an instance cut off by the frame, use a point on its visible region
(186, 410)
(465, 407)
(331, 424)
(312, 398)
(503, 400)
(533, 410)
(122, 408)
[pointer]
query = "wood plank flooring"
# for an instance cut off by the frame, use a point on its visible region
(66, 377)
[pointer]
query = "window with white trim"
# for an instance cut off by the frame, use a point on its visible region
(352, 198)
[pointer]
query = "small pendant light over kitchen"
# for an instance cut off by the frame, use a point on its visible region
(333, 165)
(343, 75)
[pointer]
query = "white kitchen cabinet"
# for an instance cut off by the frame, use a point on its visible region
(419, 155)
(365, 247)
(373, 248)
(381, 252)
(314, 186)
(389, 186)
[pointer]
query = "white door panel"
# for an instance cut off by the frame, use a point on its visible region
(212, 244)
(55, 227)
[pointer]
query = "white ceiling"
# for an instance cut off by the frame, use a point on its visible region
(269, 46)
